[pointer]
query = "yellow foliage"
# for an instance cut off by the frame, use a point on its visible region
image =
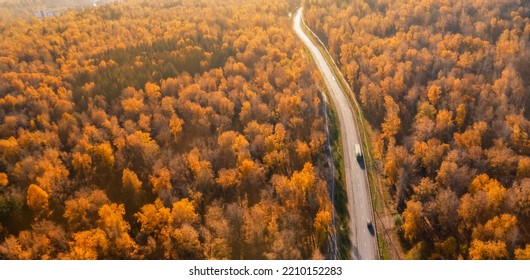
(413, 217)
(202, 169)
(9, 147)
(227, 178)
(433, 93)
(471, 137)
(130, 181)
(303, 151)
(240, 147)
(492, 187)
(3, 180)
(322, 225)
(104, 155)
(152, 90)
(425, 111)
(81, 161)
(490, 250)
(520, 139)
(184, 212)
(304, 179)
(81, 212)
(247, 167)
(391, 167)
(132, 105)
(161, 182)
(500, 227)
(523, 254)
(523, 168)
(155, 219)
(88, 245)
(392, 121)
(444, 121)
(175, 125)
(111, 220)
(37, 199)
(117, 229)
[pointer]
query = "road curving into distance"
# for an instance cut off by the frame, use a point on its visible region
(363, 240)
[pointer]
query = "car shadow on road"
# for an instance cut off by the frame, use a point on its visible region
(361, 162)
(371, 229)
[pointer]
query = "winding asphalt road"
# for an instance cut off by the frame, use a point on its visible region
(359, 206)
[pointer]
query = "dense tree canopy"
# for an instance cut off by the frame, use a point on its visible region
(160, 130)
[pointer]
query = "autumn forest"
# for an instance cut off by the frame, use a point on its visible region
(177, 129)
(160, 130)
(445, 85)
